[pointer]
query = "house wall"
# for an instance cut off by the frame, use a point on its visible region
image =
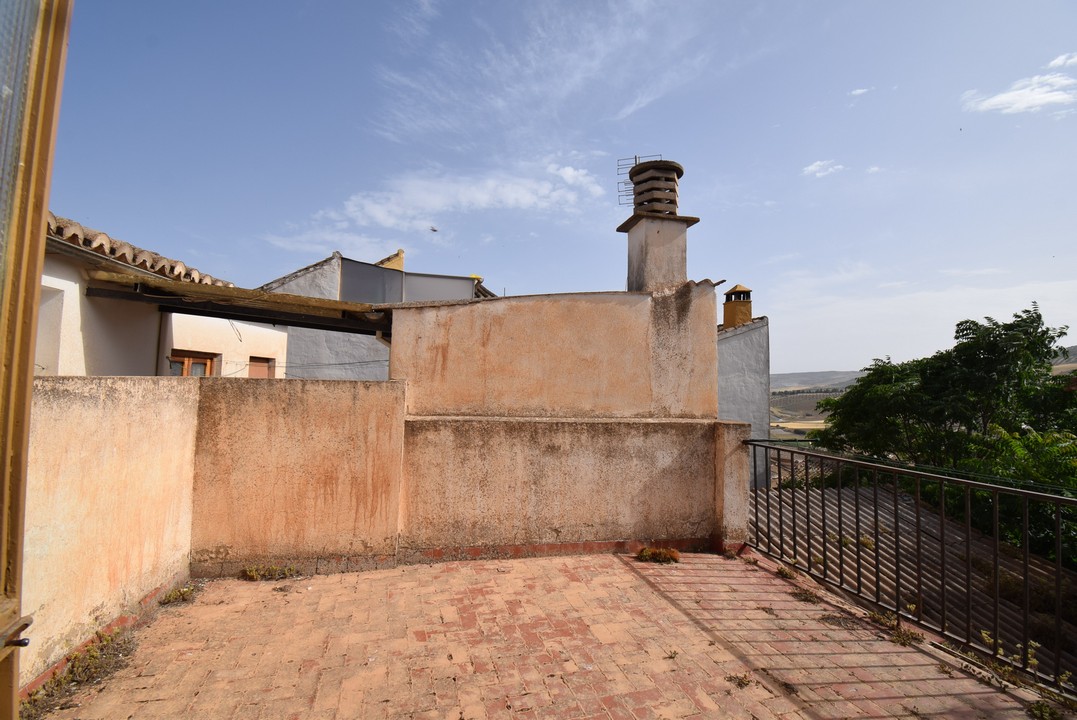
(79, 335)
(744, 377)
(108, 504)
(234, 341)
(304, 471)
(326, 355)
(570, 356)
(744, 380)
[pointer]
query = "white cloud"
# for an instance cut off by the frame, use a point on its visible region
(576, 177)
(321, 240)
(822, 168)
(412, 203)
(1026, 95)
(1061, 61)
(873, 169)
(860, 91)
(416, 201)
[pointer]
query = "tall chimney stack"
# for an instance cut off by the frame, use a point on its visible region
(657, 235)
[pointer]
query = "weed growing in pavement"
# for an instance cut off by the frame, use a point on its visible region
(784, 571)
(906, 637)
(1042, 710)
(672, 655)
(885, 619)
(268, 572)
(184, 593)
(658, 555)
(741, 681)
(106, 654)
(806, 595)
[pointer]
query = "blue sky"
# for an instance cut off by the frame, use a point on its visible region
(874, 171)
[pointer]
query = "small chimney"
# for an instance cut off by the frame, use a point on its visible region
(657, 235)
(737, 309)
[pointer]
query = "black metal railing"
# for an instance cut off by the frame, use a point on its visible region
(990, 566)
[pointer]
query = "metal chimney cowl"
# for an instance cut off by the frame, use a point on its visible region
(657, 235)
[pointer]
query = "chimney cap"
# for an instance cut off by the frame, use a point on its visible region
(736, 289)
(642, 167)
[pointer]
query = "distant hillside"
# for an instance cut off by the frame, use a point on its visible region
(806, 380)
(1071, 360)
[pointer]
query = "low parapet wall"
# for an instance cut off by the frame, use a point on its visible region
(108, 504)
(300, 472)
(510, 486)
(134, 482)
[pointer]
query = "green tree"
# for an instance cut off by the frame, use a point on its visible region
(988, 404)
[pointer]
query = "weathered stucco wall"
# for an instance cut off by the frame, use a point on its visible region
(489, 483)
(108, 504)
(296, 471)
(581, 355)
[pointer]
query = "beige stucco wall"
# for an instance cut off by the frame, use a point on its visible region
(236, 342)
(580, 355)
(296, 471)
(79, 335)
(474, 482)
(108, 504)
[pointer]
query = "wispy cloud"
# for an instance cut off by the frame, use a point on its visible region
(822, 168)
(1026, 95)
(860, 91)
(873, 170)
(411, 20)
(970, 272)
(418, 200)
(519, 81)
(321, 239)
(1066, 60)
(415, 203)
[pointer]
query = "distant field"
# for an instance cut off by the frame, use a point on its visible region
(1063, 369)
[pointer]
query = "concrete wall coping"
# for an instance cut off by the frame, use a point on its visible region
(755, 324)
(588, 420)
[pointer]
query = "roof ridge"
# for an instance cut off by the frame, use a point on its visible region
(75, 233)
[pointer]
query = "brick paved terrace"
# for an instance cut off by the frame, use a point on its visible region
(599, 636)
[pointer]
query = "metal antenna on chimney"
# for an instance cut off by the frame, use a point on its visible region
(624, 187)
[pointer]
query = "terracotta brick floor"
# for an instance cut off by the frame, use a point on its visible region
(599, 636)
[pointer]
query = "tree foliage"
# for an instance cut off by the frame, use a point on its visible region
(988, 405)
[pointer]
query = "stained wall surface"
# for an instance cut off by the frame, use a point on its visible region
(489, 482)
(570, 356)
(295, 470)
(108, 504)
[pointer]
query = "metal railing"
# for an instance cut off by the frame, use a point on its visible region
(992, 567)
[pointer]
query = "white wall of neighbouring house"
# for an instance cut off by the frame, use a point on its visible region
(79, 335)
(232, 341)
(744, 376)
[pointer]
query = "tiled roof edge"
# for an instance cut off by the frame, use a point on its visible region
(75, 234)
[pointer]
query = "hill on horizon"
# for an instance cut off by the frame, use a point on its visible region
(844, 378)
(820, 379)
